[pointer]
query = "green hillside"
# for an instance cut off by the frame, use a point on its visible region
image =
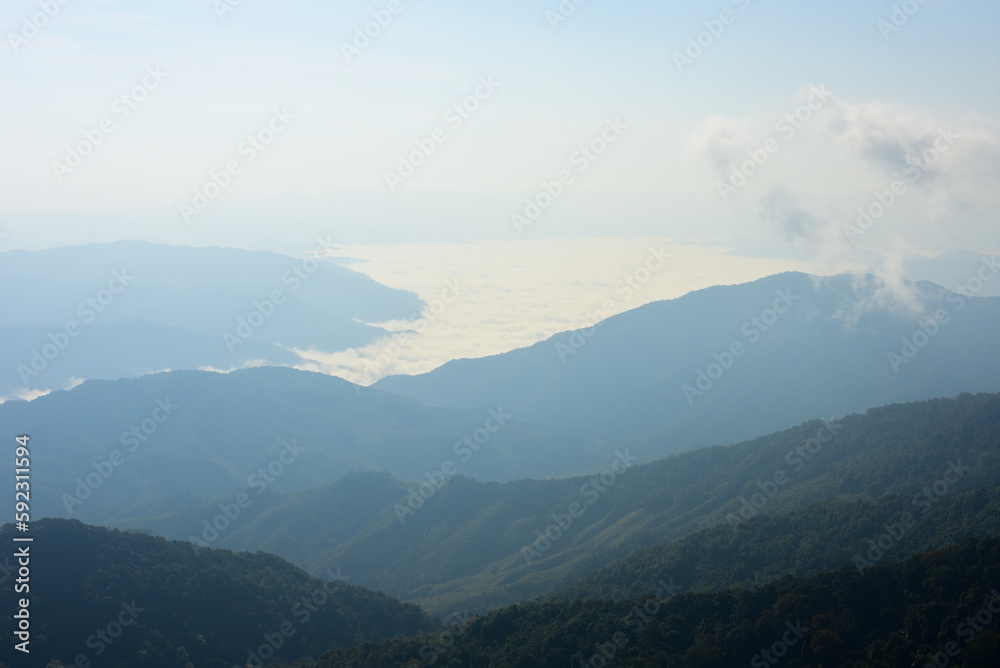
(117, 598)
(482, 545)
(939, 608)
(820, 537)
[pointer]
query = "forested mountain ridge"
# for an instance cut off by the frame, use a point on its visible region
(820, 537)
(940, 609)
(118, 598)
(474, 545)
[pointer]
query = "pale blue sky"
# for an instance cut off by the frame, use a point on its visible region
(325, 172)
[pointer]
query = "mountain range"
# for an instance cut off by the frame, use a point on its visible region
(657, 380)
(129, 308)
(473, 545)
(738, 444)
(733, 362)
(806, 526)
(117, 451)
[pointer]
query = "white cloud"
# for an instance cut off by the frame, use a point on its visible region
(516, 293)
(722, 141)
(846, 153)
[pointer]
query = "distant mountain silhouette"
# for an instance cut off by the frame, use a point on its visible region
(732, 362)
(960, 271)
(115, 451)
(129, 308)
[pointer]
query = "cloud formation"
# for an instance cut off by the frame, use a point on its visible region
(943, 174)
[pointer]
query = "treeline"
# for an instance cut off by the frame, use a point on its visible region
(818, 538)
(127, 599)
(940, 608)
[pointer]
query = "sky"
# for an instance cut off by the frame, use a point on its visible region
(224, 69)
(809, 135)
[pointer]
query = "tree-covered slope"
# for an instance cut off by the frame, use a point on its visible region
(939, 608)
(820, 537)
(480, 545)
(128, 599)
